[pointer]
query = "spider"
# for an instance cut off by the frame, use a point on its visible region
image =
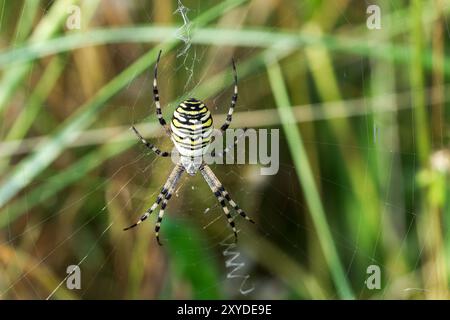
(191, 132)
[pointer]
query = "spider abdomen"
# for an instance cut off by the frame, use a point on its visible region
(191, 128)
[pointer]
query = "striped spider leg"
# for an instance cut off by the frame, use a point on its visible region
(221, 194)
(159, 115)
(169, 193)
(164, 196)
(149, 145)
(234, 98)
(229, 117)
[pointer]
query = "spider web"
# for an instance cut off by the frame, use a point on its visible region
(138, 176)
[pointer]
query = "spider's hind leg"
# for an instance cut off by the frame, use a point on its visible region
(235, 206)
(174, 178)
(225, 209)
(222, 195)
(151, 209)
(161, 211)
(166, 190)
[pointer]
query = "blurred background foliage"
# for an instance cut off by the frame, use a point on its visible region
(364, 159)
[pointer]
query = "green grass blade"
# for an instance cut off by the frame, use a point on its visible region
(47, 27)
(25, 23)
(306, 179)
(36, 99)
(417, 82)
(259, 38)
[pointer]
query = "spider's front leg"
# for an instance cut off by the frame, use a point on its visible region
(159, 115)
(233, 100)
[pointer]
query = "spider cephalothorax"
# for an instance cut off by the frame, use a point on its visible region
(191, 132)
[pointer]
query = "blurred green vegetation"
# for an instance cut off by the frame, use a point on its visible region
(364, 156)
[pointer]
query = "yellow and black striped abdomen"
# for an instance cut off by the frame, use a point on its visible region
(191, 128)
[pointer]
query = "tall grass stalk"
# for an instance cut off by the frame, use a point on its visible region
(422, 136)
(260, 38)
(306, 179)
(46, 28)
(36, 99)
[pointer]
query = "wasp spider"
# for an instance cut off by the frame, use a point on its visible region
(191, 132)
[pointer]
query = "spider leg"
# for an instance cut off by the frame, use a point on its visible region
(161, 195)
(235, 206)
(233, 100)
(150, 210)
(164, 204)
(149, 145)
(226, 211)
(211, 179)
(156, 98)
